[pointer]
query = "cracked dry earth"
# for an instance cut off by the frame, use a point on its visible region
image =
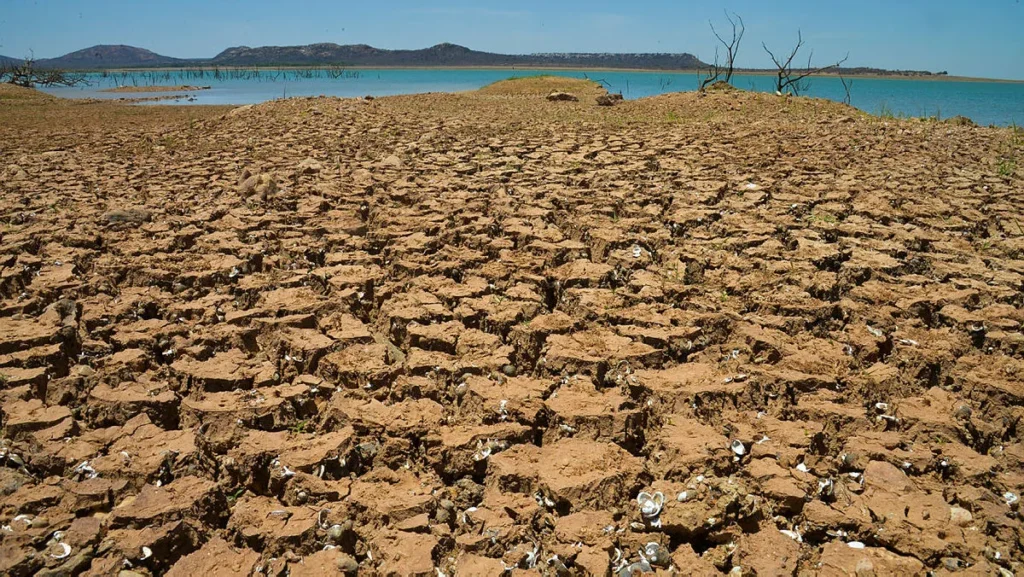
(487, 334)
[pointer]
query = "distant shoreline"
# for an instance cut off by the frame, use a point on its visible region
(928, 78)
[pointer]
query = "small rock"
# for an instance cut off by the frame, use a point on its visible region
(347, 565)
(609, 99)
(262, 184)
(952, 563)
(126, 216)
(562, 97)
(309, 166)
(864, 568)
(960, 516)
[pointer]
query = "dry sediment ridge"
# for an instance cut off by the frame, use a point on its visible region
(458, 334)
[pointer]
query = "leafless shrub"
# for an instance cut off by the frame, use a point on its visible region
(847, 86)
(29, 75)
(732, 48)
(794, 81)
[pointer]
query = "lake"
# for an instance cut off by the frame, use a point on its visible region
(1000, 103)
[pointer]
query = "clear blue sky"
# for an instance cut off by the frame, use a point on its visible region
(965, 37)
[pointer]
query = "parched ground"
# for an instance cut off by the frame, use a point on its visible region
(486, 333)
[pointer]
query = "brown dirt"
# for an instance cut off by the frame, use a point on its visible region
(454, 334)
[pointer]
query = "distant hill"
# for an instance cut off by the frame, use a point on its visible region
(111, 56)
(327, 54)
(5, 60)
(119, 56)
(439, 55)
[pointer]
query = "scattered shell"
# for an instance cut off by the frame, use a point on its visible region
(26, 519)
(146, 553)
(531, 557)
(655, 554)
(85, 470)
(1011, 498)
(874, 331)
(738, 448)
(650, 505)
(802, 468)
(792, 535)
(65, 551)
(855, 545)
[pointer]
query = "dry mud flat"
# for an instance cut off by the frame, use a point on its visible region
(488, 334)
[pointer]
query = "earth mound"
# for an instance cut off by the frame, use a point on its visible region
(542, 86)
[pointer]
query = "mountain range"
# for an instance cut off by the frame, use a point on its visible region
(327, 54)
(120, 56)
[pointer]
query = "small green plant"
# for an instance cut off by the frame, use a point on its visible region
(822, 217)
(236, 494)
(671, 116)
(1007, 167)
(299, 427)
(1007, 164)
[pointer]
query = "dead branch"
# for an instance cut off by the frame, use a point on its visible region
(29, 75)
(732, 48)
(790, 81)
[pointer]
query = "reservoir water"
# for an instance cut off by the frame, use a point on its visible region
(985, 102)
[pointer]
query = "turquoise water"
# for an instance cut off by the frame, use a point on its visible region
(998, 103)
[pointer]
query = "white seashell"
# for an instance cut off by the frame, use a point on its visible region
(855, 545)
(66, 551)
(650, 505)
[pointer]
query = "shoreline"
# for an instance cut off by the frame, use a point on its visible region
(931, 78)
(154, 88)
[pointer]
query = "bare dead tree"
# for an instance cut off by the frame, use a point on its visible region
(732, 48)
(794, 81)
(847, 86)
(29, 75)
(713, 73)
